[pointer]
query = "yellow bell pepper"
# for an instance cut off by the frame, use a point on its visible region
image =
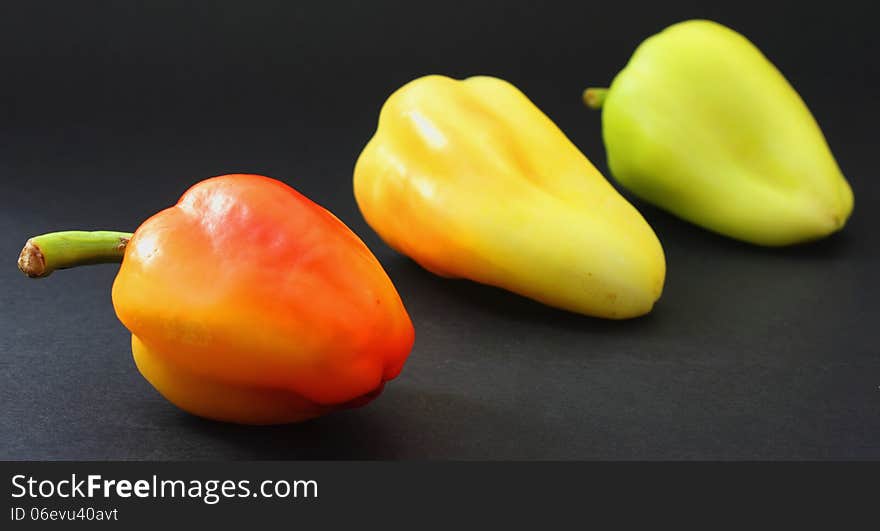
(702, 124)
(472, 180)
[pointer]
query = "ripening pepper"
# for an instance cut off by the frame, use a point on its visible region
(702, 124)
(247, 302)
(471, 180)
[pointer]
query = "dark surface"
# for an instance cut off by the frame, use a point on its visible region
(109, 114)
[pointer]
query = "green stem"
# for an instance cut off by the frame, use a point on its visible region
(60, 250)
(595, 97)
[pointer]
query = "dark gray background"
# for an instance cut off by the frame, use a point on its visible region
(109, 112)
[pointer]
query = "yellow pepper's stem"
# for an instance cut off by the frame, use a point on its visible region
(595, 97)
(60, 250)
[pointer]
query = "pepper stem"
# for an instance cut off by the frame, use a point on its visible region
(61, 250)
(594, 97)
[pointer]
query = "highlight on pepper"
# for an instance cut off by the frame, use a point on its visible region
(247, 302)
(471, 180)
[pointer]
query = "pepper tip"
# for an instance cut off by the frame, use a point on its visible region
(594, 97)
(31, 261)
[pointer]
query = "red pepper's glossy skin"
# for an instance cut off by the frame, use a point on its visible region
(247, 302)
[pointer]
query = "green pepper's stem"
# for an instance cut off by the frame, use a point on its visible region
(60, 250)
(595, 97)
